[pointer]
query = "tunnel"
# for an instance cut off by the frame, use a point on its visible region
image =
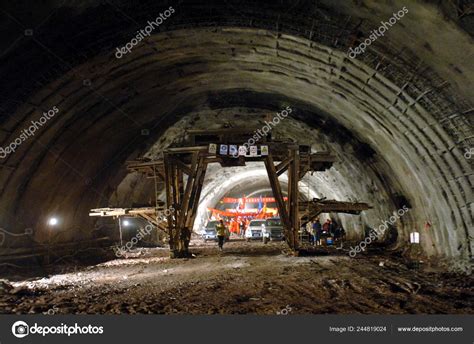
(84, 91)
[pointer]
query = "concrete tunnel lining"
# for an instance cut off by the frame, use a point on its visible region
(397, 122)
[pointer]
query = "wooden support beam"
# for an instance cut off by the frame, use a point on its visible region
(115, 212)
(147, 213)
(170, 186)
(312, 209)
(187, 150)
(154, 221)
(196, 193)
(176, 198)
(158, 174)
(184, 206)
(169, 200)
(182, 166)
(282, 167)
(180, 196)
(293, 193)
(278, 195)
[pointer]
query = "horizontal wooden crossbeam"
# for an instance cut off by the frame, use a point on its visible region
(309, 210)
(149, 214)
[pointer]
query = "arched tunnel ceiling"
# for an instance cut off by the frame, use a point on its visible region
(399, 117)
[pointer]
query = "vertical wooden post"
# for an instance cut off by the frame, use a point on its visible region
(293, 193)
(193, 202)
(278, 194)
(184, 205)
(169, 200)
(196, 194)
(182, 196)
(120, 231)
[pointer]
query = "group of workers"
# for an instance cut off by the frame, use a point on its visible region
(329, 229)
(238, 226)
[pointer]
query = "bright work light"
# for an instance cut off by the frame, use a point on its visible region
(53, 221)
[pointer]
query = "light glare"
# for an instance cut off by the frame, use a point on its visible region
(53, 221)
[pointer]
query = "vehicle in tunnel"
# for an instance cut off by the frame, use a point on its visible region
(272, 230)
(209, 231)
(255, 229)
(209, 234)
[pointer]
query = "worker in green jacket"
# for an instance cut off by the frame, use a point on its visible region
(221, 232)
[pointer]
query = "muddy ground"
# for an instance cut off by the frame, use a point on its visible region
(245, 278)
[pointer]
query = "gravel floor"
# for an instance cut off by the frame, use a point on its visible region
(245, 278)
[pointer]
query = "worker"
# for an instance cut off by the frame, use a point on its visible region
(310, 233)
(242, 228)
(303, 232)
(317, 228)
(340, 235)
(234, 226)
(221, 233)
(326, 226)
(332, 227)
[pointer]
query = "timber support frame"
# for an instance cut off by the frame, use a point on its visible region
(288, 211)
(182, 197)
(183, 167)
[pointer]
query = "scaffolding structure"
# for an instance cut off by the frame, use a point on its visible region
(182, 170)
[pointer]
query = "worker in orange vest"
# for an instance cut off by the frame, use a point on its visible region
(221, 233)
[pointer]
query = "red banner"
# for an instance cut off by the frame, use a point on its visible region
(251, 200)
